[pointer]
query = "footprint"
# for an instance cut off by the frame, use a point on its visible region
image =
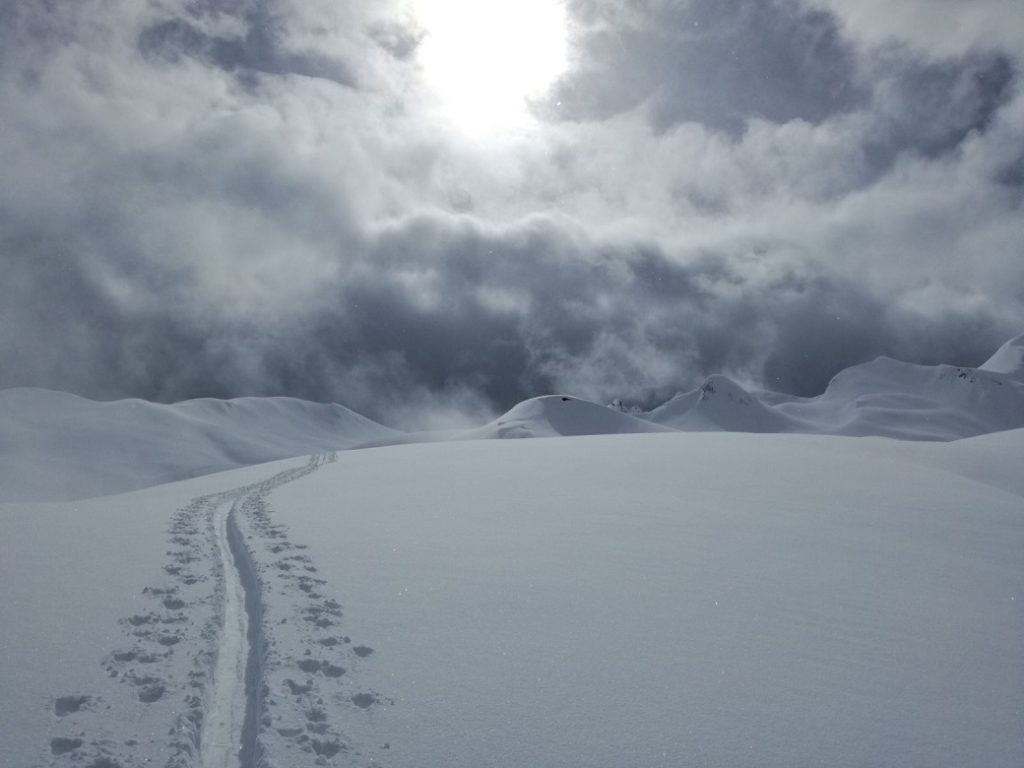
(159, 591)
(67, 705)
(364, 700)
(327, 669)
(362, 651)
(307, 584)
(319, 614)
(325, 748)
(332, 670)
(61, 746)
(296, 688)
(151, 693)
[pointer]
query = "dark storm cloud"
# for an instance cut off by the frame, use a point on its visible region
(930, 107)
(716, 63)
(168, 231)
(445, 306)
(724, 64)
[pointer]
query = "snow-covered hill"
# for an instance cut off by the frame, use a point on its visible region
(611, 600)
(883, 397)
(560, 416)
(55, 446)
(720, 404)
(1008, 359)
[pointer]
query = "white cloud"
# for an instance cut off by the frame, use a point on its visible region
(251, 199)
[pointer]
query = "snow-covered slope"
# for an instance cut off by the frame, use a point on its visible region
(561, 415)
(720, 404)
(883, 397)
(624, 600)
(1008, 359)
(914, 402)
(56, 446)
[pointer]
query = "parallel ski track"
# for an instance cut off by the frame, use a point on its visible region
(230, 723)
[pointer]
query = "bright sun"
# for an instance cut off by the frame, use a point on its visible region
(484, 59)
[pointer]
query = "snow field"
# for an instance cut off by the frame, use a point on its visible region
(627, 595)
(652, 599)
(678, 600)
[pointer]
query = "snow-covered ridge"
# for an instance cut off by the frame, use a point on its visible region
(883, 397)
(1008, 359)
(561, 416)
(57, 446)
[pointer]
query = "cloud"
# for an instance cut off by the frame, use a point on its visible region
(234, 198)
(936, 28)
(720, 64)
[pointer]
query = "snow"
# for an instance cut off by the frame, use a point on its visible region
(1008, 359)
(624, 593)
(720, 404)
(678, 599)
(560, 416)
(654, 599)
(883, 397)
(56, 446)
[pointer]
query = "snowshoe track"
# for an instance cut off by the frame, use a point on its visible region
(227, 701)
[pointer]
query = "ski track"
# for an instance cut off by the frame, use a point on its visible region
(222, 733)
(248, 696)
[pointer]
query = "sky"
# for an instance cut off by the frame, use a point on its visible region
(428, 210)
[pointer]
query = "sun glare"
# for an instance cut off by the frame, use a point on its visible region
(483, 60)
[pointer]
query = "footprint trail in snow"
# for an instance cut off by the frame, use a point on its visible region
(241, 655)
